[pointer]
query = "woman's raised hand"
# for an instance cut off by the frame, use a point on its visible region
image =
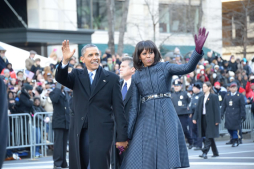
(200, 39)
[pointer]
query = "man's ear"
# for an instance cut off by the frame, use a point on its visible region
(133, 70)
(82, 59)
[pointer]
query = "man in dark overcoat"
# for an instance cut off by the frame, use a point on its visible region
(212, 120)
(96, 96)
(126, 71)
(181, 102)
(3, 121)
(60, 125)
(233, 107)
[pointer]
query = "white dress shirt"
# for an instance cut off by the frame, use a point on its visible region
(232, 94)
(128, 84)
(94, 72)
(205, 99)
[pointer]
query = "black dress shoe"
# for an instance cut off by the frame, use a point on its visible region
(235, 143)
(230, 142)
(197, 148)
(240, 142)
(204, 155)
(190, 146)
(215, 155)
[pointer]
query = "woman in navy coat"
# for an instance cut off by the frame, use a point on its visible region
(155, 132)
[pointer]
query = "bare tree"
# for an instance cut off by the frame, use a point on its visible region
(236, 24)
(123, 27)
(111, 25)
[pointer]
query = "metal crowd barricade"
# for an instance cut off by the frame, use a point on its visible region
(42, 131)
(20, 131)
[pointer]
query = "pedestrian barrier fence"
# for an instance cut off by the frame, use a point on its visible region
(36, 131)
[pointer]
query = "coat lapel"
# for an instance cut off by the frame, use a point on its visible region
(102, 81)
(85, 81)
(128, 95)
(208, 99)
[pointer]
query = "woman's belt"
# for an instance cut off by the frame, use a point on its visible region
(155, 96)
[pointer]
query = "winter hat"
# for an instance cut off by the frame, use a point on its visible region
(216, 84)
(28, 87)
(216, 66)
(232, 74)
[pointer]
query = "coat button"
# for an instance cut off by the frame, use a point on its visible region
(65, 108)
(82, 118)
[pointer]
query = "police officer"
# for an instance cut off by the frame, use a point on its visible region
(181, 102)
(220, 91)
(197, 93)
(233, 107)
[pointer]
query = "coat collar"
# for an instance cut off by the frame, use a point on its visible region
(102, 81)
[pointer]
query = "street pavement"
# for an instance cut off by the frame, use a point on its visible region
(241, 157)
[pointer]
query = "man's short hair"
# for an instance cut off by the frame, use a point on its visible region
(129, 59)
(83, 50)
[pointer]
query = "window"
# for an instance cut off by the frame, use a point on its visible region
(174, 18)
(92, 14)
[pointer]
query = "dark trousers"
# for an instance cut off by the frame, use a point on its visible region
(197, 141)
(184, 119)
(84, 149)
(60, 146)
(233, 134)
(209, 142)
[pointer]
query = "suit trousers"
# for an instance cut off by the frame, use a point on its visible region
(184, 119)
(209, 142)
(84, 149)
(197, 141)
(60, 147)
(233, 134)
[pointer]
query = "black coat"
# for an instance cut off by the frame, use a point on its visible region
(26, 105)
(194, 101)
(3, 64)
(35, 68)
(3, 121)
(99, 104)
(212, 115)
(61, 109)
(234, 113)
(182, 97)
(233, 66)
(127, 105)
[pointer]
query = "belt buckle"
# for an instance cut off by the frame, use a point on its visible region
(161, 95)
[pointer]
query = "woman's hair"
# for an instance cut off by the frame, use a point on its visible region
(209, 84)
(148, 46)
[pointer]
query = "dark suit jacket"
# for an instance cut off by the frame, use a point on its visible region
(99, 105)
(212, 116)
(117, 159)
(61, 112)
(3, 121)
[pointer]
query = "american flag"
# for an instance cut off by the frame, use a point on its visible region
(29, 74)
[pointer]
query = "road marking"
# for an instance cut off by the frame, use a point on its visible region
(220, 163)
(218, 158)
(227, 153)
(240, 145)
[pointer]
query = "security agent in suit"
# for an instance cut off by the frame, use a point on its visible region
(233, 107)
(126, 71)
(181, 102)
(197, 93)
(60, 124)
(96, 97)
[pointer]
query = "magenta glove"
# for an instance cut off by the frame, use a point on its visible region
(200, 40)
(121, 149)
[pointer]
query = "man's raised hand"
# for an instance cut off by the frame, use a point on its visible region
(67, 54)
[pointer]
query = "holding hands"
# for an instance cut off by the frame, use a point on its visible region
(122, 146)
